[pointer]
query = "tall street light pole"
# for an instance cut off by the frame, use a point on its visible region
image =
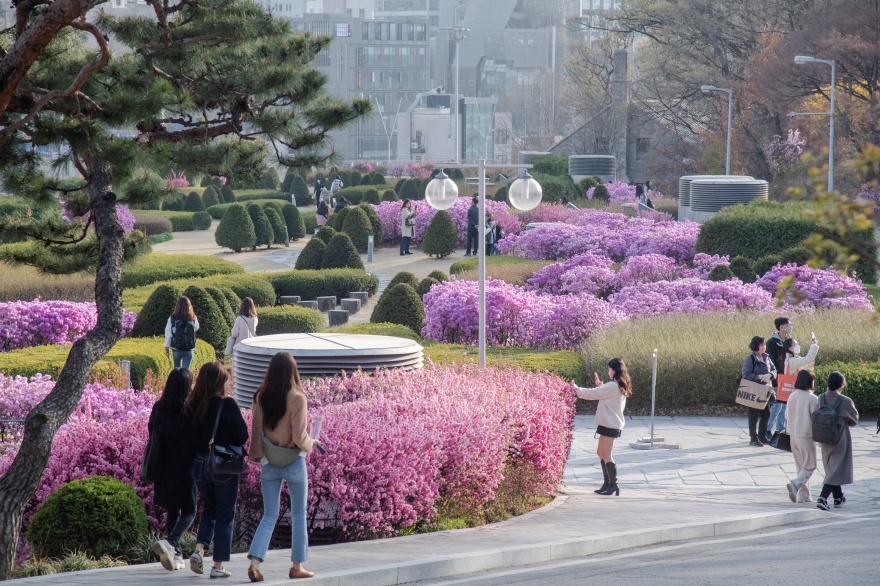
(460, 34)
(711, 88)
(801, 60)
(524, 194)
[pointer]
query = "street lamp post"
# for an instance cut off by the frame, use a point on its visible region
(711, 88)
(800, 60)
(524, 194)
(461, 34)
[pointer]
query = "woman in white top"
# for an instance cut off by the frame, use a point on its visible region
(609, 418)
(799, 424)
(794, 362)
(180, 333)
(245, 325)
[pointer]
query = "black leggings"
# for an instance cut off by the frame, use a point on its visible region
(828, 489)
(758, 422)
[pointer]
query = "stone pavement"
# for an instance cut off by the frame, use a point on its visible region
(715, 485)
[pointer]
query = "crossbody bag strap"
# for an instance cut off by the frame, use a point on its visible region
(216, 422)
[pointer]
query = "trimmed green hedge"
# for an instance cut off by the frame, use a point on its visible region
(566, 364)
(155, 267)
(313, 284)
(355, 194)
(862, 383)
(383, 329)
(253, 285)
(218, 211)
(180, 221)
(290, 319)
(260, 194)
(310, 221)
(153, 224)
(471, 264)
(144, 353)
(767, 228)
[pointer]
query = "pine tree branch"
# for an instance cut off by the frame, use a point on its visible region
(74, 87)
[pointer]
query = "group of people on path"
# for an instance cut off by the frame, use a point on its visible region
(191, 416)
(794, 415)
(492, 232)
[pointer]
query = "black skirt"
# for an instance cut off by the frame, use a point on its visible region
(608, 431)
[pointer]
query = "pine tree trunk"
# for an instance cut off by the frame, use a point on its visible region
(23, 477)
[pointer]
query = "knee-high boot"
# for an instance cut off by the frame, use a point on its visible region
(605, 476)
(612, 480)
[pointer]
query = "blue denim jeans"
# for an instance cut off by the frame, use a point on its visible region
(182, 358)
(777, 417)
(219, 495)
(297, 478)
(404, 244)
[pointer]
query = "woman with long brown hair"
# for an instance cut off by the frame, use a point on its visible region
(281, 441)
(245, 325)
(609, 418)
(180, 333)
(219, 493)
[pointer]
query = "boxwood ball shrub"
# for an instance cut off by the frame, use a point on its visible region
(155, 313)
(403, 277)
(301, 193)
(377, 178)
(201, 220)
(255, 286)
(355, 178)
(376, 222)
(279, 229)
(277, 205)
(371, 196)
(341, 254)
(425, 285)
(213, 327)
(236, 229)
(358, 227)
(233, 300)
(441, 237)
(411, 189)
(601, 193)
(501, 194)
(210, 197)
(193, 203)
(290, 319)
(720, 273)
(311, 255)
(174, 201)
(152, 224)
(227, 195)
(264, 236)
(741, 268)
(223, 304)
(310, 221)
(439, 275)
(296, 226)
(98, 515)
(337, 220)
(400, 304)
(390, 195)
(326, 233)
(398, 187)
(311, 284)
(765, 263)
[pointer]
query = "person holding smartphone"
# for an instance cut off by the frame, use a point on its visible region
(609, 418)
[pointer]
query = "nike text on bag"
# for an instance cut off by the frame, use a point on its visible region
(183, 335)
(752, 394)
(827, 429)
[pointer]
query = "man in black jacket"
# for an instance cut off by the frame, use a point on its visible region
(777, 354)
(473, 217)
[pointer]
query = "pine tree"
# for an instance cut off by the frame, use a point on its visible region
(296, 226)
(311, 256)
(262, 228)
(341, 254)
(441, 237)
(279, 229)
(236, 229)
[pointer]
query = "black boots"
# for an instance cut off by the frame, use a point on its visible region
(605, 475)
(611, 469)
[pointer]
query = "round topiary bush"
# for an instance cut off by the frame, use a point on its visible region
(358, 227)
(345, 177)
(213, 327)
(326, 233)
(367, 179)
(210, 197)
(399, 186)
(355, 178)
(290, 319)
(173, 202)
(287, 183)
(236, 229)
(390, 195)
(301, 193)
(193, 203)
(410, 189)
(337, 220)
(201, 220)
(264, 235)
(720, 273)
(377, 178)
(441, 237)
(403, 277)
(154, 314)
(400, 304)
(296, 226)
(601, 193)
(233, 300)
(279, 228)
(99, 515)
(741, 268)
(425, 285)
(276, 204)
(371, 196)
(765, 263)
(223, 304)
(227, 195)
(501, 194)
(439, 275)
(341, 254)
(311, 256)
(798, 255)
(374, 220)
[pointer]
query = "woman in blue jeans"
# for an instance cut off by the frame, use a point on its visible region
(219, 492)
(281, 442)
(180, 333)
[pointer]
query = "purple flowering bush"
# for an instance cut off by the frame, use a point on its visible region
(389, 215)
(125, 215)
(36, 323)
(816, 287)
(690, 295)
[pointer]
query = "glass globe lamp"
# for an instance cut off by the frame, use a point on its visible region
(442, 192)
(525, 193)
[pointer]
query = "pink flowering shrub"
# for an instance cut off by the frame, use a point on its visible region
(620, 192)
(550, 280)
(397, 169)
(125, 215)
(515, 317)
(816, 287)
(366, 167)
(35, 323)
(419, 170)
(550, 212)
(647, 268)
(176, 180)
(389, 215)
(691, 296)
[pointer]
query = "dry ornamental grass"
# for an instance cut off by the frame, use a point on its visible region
(23, 283)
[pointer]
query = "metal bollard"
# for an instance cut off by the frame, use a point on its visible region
(286, 237)
(370, 248)
(125, 366)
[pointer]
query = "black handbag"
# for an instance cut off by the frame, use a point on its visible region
(225, 459)
(781, 441)
(151, 462)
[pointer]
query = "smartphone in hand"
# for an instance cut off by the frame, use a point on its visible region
(321, 449)
(597, 380)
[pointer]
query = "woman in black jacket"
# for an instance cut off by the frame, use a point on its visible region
(175, 489)
(219, 492)
(758, 367)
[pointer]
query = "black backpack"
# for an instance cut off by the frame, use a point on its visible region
(826, 427)
(183, 335)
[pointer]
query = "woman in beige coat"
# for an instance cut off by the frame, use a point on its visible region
(799, 424)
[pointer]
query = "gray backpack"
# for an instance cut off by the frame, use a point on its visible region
(826, 427)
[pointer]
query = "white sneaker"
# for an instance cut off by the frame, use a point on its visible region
(178, 562)
(220, 572)
(165, 552)
(196, 564)
(804, 499)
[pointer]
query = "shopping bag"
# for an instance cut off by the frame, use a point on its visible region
(781, 441)
(752, 394)
(785, 386)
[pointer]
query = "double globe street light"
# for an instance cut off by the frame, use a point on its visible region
(524, 194)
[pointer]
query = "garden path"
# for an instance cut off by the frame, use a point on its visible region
(716, 484)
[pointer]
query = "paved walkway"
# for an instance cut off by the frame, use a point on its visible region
(715, 485)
